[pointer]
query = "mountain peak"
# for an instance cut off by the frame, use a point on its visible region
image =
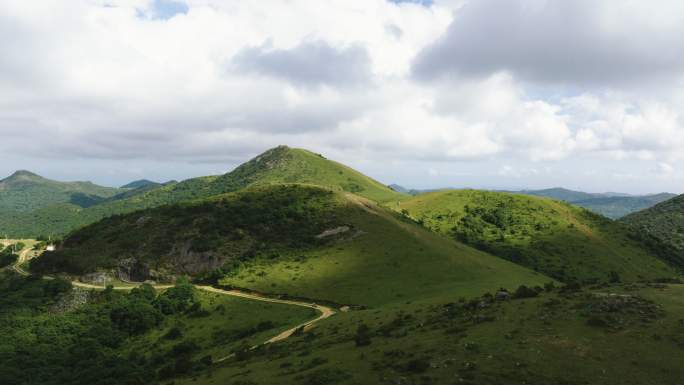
(140, 183)
(284, 164)
(22, 175)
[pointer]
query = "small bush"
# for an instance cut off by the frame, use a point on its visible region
(173, 334)
(524, 292)
(362, 337)
(418, 365)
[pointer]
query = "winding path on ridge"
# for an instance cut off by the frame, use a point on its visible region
(324, 311)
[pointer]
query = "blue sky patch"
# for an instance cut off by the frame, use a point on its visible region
(166, 9)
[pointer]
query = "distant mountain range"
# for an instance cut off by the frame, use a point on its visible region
(611, 204)
(25, 191)
(140, 184)
(38, 206)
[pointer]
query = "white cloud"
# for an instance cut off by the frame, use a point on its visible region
(579, 41)
(120, 79)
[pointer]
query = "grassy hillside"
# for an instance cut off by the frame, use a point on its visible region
(279, 165)
(610, 205)
(616, 335)
(24, 191)
(563, 241)
(289, 165)
(664, 222)
(288, 239)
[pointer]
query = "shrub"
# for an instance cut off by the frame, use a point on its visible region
(324, 376)
(597, 322)
(176, 299)
(524, 292)
(614, 277)
(56, 286)
(174, 333)
(134, 316)
(418, 365)
(362, 337)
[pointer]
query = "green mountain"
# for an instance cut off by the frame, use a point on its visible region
(278, 165)
(292, 239)
(420, 308)
(553, 237)
(616, 207)
(287, 165)
(140, 183)
(415, 305)
(561, 194)
(25, 191)
(611, 205)
(664, 222)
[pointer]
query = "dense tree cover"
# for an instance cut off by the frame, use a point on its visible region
(236, 226)
(42, 344)
(7, 256)
(661, 224)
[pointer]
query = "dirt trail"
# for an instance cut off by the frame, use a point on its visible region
(325, 311)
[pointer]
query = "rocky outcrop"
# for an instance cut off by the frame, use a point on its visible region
(132, 270)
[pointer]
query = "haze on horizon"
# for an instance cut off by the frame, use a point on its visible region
(485, 94)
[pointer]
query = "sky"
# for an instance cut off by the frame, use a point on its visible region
(500, 94)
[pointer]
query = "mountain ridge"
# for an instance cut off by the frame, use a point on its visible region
(281, 164)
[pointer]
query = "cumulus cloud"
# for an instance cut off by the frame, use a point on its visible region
(309, 64)
(580, 41)
(429, 84)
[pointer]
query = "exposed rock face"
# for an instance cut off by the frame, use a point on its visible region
(98, 278)
(331, 232)
(186, 260)
(74, 299)
(132, 270)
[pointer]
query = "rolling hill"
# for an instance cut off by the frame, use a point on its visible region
(297, 240)
(421, 306)
(664, 221)
(278, 165)
(25, 191)
(560, 240)
(141, 183)
(415, 304)
(611, 205)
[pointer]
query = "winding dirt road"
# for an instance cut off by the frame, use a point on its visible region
(324, 311)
